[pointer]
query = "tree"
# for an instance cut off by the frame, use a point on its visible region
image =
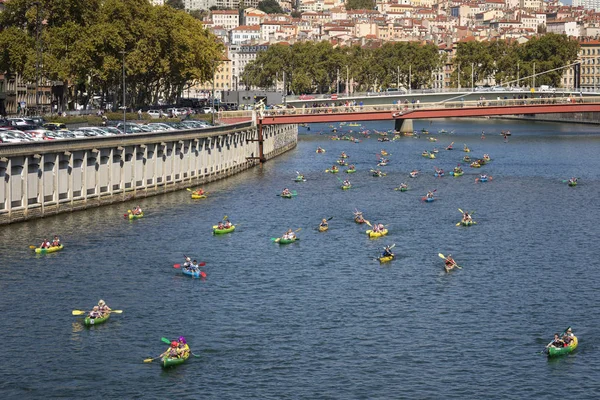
(270, 7)
(176, 4)
(360, 4)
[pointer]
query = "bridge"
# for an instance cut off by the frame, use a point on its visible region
(403, 114)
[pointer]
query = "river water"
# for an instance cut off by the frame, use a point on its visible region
(321, 318)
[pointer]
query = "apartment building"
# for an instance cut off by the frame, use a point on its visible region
(228, 19)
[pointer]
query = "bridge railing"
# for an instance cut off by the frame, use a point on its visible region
(406, 107)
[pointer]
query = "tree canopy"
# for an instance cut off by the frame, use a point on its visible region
(313, 67)
(270, 7)
(508, 61)
(84, 43)
(360, 4)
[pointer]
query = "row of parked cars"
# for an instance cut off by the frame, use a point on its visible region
(17, 130)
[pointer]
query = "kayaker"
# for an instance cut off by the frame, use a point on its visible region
(289, 235)
(137, 210)
(286, 192)
(387, 252)
(482, 135)
(467, 217)
(187, 262)
(324, 223)
(172, 351)
(56, 241)
(403, 186)
(103, 308)
(429, 195)
(194, 267)
(425, 153)
(557, 342)
(352, 167)
(457, 169)
(450, 263)
(381, 227)
(568, 336)
(358, 217)
(95, 313)
(573, 180)
(45, 244)
(343, 155)
(334, 168)
(220, 224)
(346, 182)
(450, 146)
(198, 192)
(182, 345)
(227, 224)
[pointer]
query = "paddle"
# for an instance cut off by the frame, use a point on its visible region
(149, 360)
(202, 264)
(81, 312)
(454, 262)
(33, 247)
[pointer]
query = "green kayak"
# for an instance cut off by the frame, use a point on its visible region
(285, 241)
(467, 223)
(346, 187)
(172, 362)
(350, 171)
(217, 231)
(96, 321)
(559, 351)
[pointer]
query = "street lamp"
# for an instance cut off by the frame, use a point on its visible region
(124, 106)
(472, 76)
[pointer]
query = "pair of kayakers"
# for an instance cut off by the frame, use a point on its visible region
(320, 150)
(198, 192)
(99, 311)
(559, 342)
(46, 244)
(458, 169)
(225, 225)
(439, 171)
(289, 235)
(346, 183)
(191, 265)
(572, 180)
(378, 228)
(177, 349)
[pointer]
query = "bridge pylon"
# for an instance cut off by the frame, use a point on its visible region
(403, 125)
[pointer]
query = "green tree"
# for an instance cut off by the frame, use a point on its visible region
(360, 4)
(176, 4)
(270, 7)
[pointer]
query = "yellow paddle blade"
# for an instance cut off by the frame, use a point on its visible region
(440, 255)
(224, 218)
(116, 311)
(78, 312)
(368, 223)
(461, 211)
(32, 247)
(458, 224)
(129, 211)
(148, 360)
(188, 189)
(298, 230)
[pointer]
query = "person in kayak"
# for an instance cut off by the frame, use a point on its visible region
(286, 192)
(220, 225)
(45, 244)
(137, 210)
(227, 224)
(387, 252)
(403, 186)
(346, 183)
(103, 308)
(358, 216)
(56, 241)
(458, 169)
(440, 172)
(320, 149)
(450, 146)
(194, 267)
(343, 155)
(429, 195)
(182, 345)
(187, 262)
(290, 235)
(467, 217)
(172, 351)
(198, 192)
(450, 263)
(351, 167)
(557, 342)
(334, 168)
(413, 173)
(573, 180)
(568, 336)
(324, 223)
(425, 153)
(95, 313)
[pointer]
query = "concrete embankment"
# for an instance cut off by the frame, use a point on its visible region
(46, 178)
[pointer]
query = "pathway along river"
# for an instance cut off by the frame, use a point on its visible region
(321, 318)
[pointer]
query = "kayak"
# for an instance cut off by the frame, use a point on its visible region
(382, 164)
(402, 189)
(379, 174)
(457, 173)
(467, 150)
(425, 154)
(572, 184)
(377, 234)
(332, 171)
(320, 151)
(475, 164)
(171, 362)
(344, 156)
(385, 259)
(559, 351)
(193, 274)
(467, 159)
(449, 268)
(350, 171)
(52, 249)
(198, 196)
(412, 175)
(300, 179)
(483, 179)
(467, 223)
(438, 174)
(346, 187)
(96, 321)
(286, 196)
(285, 241)
(323, 228)
(431, 139)
(218, 231)
(432, 156)
(134, 216)
(428, 199)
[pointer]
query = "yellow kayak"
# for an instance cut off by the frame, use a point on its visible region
(52, 249)
(198, 196)
(386, 259)
(377, 234)
(323, 228)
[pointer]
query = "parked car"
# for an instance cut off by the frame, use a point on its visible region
(157, 126)
(547, 88)
(208, 110)
(41, 133)
(112, 130)
(54, 126)
(498, 89)
(9, 136)
(22, 122)
(130, 127)
(154, 114)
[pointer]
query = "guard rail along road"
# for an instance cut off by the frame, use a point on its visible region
(44, 178)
